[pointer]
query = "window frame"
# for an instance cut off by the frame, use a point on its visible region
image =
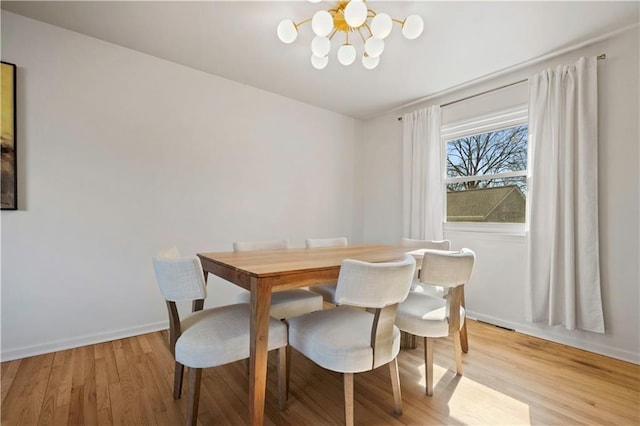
(502, 119)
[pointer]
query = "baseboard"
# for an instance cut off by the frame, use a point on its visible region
(61, 345)
(534, 331)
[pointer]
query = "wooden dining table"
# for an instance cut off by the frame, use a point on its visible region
(263, 271)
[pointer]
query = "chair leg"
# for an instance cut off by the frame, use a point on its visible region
(283, 385)
(407, 340)
(177, 380)
(195, 377)
(288, 357)
(457, 347)
(348, 398)
(464, 340)
(463, 332)
(288, 369)
(395, 384)
(428, 364)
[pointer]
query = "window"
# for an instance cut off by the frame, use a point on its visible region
(486, 168)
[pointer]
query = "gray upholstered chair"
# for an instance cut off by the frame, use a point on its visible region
(287, 303)
(350, 340)
(210, 337)
(433, 317)
(327, 291)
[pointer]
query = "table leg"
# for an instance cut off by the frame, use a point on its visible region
(259, 329)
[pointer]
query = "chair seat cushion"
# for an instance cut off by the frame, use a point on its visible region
(327, 291)
(431, 290)
(290, 303)
(218, 336)
(425, 315)
(338, 339)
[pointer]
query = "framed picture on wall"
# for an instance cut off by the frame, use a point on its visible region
(8, 164)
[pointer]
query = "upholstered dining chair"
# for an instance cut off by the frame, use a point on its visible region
(209, 337)
(348, 339)
(433, 317)
(287, 303)
(327, 291)
(413, 244)
(433, 290)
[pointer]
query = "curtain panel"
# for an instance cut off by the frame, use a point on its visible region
(422, 180)
(563, 276)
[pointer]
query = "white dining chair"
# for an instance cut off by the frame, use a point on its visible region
(328, 290)
(433, 290)
(209, 337)
(348, 339)
(413, 244)
(431, 316)
(287, 303)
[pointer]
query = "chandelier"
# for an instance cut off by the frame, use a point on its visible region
(349, 18)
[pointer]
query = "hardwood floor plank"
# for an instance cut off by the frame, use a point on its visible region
(509, 378)
(27, 392)
(8, 374)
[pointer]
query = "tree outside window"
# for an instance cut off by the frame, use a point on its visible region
(486, 176)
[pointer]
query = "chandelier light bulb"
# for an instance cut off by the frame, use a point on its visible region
(287, 32)
(320, 46)
(346, 54)
(374, 47)
(412, 27)
(322, 23)
(319, 62)
(315, 1)
(355, 13)
(370, 63)
(381, 25)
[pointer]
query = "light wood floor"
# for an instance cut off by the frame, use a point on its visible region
(508, 379)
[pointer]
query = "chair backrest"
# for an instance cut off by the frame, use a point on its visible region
(374, 285)
(425, 244)
(447, 268)
(179, 278)
(260, 245)
(326, 242)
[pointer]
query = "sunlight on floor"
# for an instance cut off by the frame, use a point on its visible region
(474, 403)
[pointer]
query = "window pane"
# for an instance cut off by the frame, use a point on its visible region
(488, 200)
(494, 152)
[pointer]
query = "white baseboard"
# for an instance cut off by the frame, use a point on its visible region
(60, 345)
(534, 331)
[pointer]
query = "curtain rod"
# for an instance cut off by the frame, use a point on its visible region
(504, 86)
(520, 66)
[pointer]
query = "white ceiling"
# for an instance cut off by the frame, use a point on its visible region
(237, 40)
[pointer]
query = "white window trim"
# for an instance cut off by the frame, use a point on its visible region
(502, 119)
(515, 229)
(511, 117)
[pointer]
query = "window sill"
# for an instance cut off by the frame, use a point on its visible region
(517, 230)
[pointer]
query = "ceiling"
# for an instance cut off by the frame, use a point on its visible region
(462, 41)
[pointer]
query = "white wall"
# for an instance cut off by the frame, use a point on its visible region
(122, 154)
(496, 293)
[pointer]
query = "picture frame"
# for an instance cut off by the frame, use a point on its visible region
(8, 158)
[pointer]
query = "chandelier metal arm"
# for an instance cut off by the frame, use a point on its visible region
(304, 21)
(368, 29)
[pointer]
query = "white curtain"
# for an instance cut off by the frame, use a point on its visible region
(564, 265)
(422, 179)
